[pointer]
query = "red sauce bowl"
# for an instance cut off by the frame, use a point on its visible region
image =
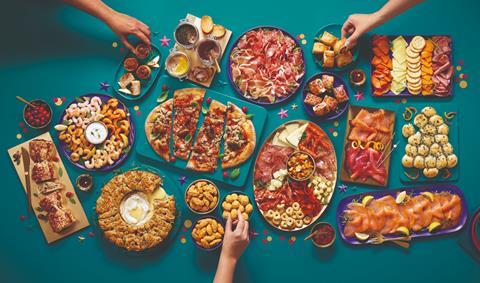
(323, 240)
(38, 117)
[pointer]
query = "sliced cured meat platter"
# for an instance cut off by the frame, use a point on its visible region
(368, 140)
(412, 192)
(149, 156)
(252, 80)
(400, 67)
(286, 202)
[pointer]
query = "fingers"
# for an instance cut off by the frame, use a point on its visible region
(145, 29)
(352, 39)
(127, 44)
(228, 226)
(240, 224)
(245, 229)
(142, 36)
(347, 28)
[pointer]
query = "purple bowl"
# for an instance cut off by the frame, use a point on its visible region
(277, 101)
(131, 136)
(405, 92)
(195, 242)
(341, 107)
(342, 206)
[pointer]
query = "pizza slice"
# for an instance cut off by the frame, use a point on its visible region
(187, 104)
(205, 152)
(158, 127)
(239, 137)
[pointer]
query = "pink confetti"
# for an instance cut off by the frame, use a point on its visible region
(398, 101)
(330, 130)
(122, 50)
(55, 99)
(282, 238)
(457, 79)
(25, 130)
(22, 124)
(264, 241)
(91, 234)
(164, 41)
(290, 242)
(265, 232)
(64, 98)
(283, 113)
(22, 217)
(359, 95)
(460, 62)
(465, 76)
(138, 113)
(184, 230)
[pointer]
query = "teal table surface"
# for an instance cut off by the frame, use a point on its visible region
(50, 50)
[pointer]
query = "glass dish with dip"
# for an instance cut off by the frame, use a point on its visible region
(208, 50)
(177, 64)
(186, 34)
(96, 132)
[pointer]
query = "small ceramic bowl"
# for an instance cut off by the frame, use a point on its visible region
(309, 175)
(201, 212)
(197, 244)
(168, 62)
(183, 25)
(49, 109)
(315, 227)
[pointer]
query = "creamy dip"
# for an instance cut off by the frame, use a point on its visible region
(96, 133)
(135, 209)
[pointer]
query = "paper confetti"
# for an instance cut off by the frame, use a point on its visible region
(283, 113)
(136, 107)
(187, 223)
(22, 217)
(269, 238)
(304, 41)
(343, 188)
(104, 86)
(293, 238)
(114, 44)
(164, 41)
(359, 95)
(19, 136)
(458, 68)
(331, 130)
(404, 100)
(335, 134)
(252, 234)
(182, 180)
(463, 84)
(282, 238)
(265, 232)
(294, 106)
(264, 241)
(301, 36)
(91, 234)
(182, 239)
(460, 62)
(335, 123)
(138, 113)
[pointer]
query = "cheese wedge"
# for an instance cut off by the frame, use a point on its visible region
(294, 137)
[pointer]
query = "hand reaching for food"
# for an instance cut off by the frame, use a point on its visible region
(235, 241)
(122, 25)
(358, 24)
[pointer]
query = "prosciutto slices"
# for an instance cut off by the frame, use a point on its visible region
(442, 67)
(266, 65)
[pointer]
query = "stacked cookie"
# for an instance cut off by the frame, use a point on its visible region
(414, 71)
(399, 64)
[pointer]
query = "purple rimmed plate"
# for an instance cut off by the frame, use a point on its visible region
(217, 245)
(342, 206)
(342, 107)
(131, 136)
(277, 100)
(406, 92)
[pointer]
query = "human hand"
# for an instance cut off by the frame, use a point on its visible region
(235, 241)
(356, 25)
(123, 26)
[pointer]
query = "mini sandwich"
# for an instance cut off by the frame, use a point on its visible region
(340, 47)
(327, 81)
(321, 109)
(329, 59)
(331, 102)
(340, 94)
(316, 87)
(44, 171)
(126, 80)
(135, 88)
(319, 48)
(344, 59)
(328, 39)
(312, 100)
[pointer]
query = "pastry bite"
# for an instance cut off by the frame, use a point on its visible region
(135, 88)
(130, 64)
(312, 100)
(344, 59)
(126, 80)
(327, 81)
(42, 150)
(319, 48)
(340, 47)
(208, 233)
(340, 94)
(329, 59)
(235, 204)
(202, 196)
(316, 87)
(328, 39)
(331, 102)
(321, 109)
(142, 50)
(143, 72)
(44, 171)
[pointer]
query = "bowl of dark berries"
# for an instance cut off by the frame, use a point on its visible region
(39, 116)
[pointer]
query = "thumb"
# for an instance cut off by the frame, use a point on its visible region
(352, 39)
(228, 226)
(127, 44)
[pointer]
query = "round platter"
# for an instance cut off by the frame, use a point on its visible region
(342, 107)
(64, 148)
(336, 30)
(237, 88)
(171, 189)
(276, 193)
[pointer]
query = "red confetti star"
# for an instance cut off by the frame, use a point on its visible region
(164, 41)
(290, 242)
(359, 95)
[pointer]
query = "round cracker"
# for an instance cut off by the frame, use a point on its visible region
(418, 42)
(412, 53)
(415, 75)
(414, 60)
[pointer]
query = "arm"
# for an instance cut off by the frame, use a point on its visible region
(122, 25)
(358, 24)
(234, 243)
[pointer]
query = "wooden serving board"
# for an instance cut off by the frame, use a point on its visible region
(344, 175)
(192, 54)
(73, 204)
(148, 155)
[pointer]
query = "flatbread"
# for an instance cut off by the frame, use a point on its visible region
(187, 104)
(158, 127)
(204, 157)
(237, 122)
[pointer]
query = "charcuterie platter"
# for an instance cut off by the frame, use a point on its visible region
(367, 147)
(96, 132)
(411, 212)
(294, 175)
(266, 65)
(186, 131)
(420, 66)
